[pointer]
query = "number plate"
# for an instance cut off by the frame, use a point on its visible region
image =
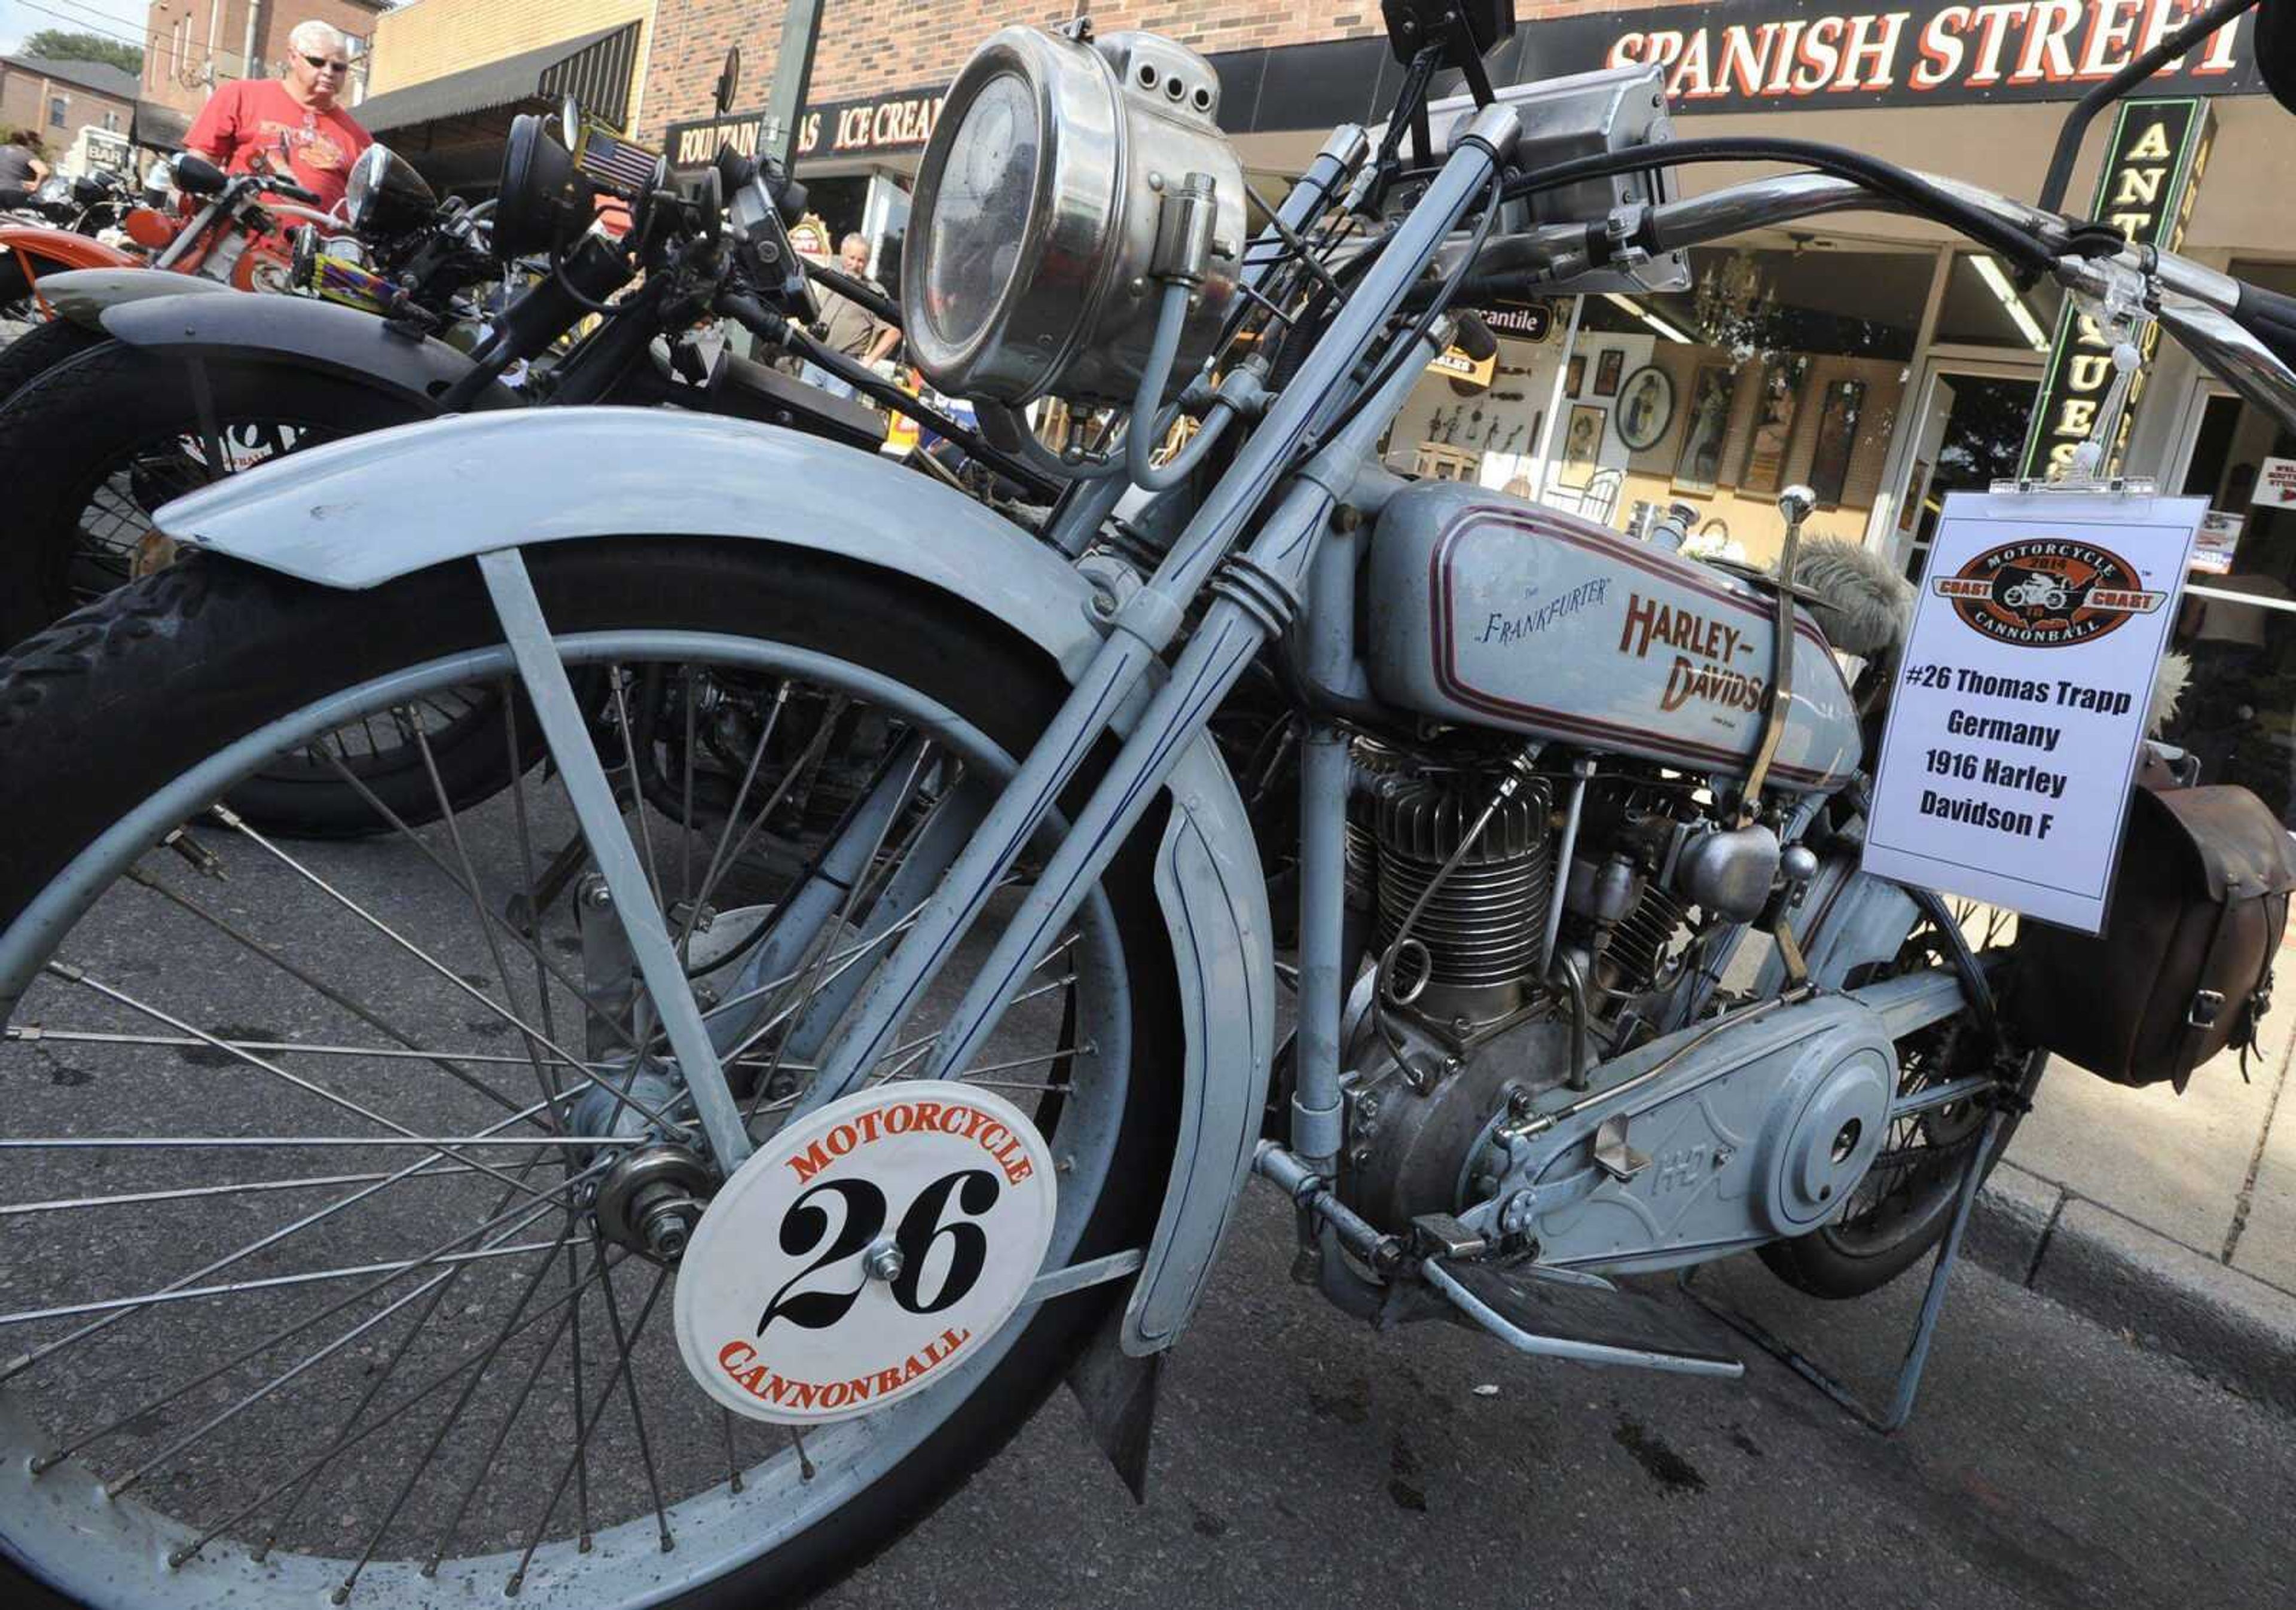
(861, 1253)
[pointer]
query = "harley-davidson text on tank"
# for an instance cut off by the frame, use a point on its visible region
(864, 1250)
(2048, 593)
(1486, 609)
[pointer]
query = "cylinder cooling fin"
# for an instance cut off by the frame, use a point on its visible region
(1477, 939)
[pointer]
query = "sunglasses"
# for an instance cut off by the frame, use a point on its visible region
(324, 64)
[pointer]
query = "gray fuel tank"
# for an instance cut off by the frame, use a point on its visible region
(1490, 610)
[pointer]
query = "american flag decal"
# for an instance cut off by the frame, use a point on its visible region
(614, 164)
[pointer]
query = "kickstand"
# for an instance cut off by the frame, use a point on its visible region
(1917, 1351)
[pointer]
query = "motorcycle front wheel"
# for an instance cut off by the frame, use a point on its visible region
(309, 1298)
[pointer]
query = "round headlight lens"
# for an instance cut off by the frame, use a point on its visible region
(358, 190)
(982, 210)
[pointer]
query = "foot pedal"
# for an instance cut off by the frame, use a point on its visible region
(1559, 1314)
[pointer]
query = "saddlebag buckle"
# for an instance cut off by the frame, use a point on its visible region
(2208, 1006)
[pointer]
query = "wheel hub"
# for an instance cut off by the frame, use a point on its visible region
(652, 1199)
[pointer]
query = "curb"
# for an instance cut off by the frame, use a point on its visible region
(2161, 1294)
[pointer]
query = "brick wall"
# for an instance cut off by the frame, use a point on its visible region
(870, 46)
(24, 98)
(191, 45)
(431, 38)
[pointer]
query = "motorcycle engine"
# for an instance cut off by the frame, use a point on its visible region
(1455, 1017)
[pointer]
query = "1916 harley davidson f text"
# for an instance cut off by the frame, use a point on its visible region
(664, 1176)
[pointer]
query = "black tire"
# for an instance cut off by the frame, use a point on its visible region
(65, 435)
(1835, 1264)
(40, 349)
(101, 710)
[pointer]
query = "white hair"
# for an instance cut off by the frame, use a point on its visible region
(317, 38)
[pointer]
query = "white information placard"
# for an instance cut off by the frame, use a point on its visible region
(2014, 731)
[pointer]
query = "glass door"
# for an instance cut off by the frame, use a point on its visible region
(2238, 623)
(1969, 432)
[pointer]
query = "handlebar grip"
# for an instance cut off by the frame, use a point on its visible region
(292, 190)
(2271, 318)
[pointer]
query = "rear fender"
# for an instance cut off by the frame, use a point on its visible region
(357, 513)
(83, 294)
(317, 336)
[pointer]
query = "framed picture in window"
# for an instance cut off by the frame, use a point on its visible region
(1582, 446)
(1699, 466)
(1837, 439)
(1645, 410)
(1764, 470)
(1574, 378)
(1607, 369)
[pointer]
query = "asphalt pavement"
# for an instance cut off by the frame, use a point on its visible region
(1301, 1459)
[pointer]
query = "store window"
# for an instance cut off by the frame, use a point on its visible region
(1984, 306)
(2238, 622)
(1779, 364)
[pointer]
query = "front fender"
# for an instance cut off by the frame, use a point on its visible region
(319, 336)
(357, 513)
(84, 294)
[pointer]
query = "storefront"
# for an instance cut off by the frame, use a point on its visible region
(449, 76)
(858, 159)
(1874, 358)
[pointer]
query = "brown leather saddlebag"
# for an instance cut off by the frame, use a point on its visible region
(2183, 968)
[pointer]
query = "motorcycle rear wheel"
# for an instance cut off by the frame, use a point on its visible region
(40, 348)
(1901, 1209)
(92, 445)
(105, 729)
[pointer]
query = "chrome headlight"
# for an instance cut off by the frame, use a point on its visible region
(1034, 231)
(384, 195)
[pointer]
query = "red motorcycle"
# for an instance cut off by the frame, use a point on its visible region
(232, 232)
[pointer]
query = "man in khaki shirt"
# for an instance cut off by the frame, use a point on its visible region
(846, 326)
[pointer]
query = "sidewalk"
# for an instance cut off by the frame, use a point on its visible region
(2169, 1218)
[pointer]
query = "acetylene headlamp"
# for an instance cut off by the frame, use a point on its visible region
(1066, 184)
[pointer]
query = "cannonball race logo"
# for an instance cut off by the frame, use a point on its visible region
(2048, 593)
(864, 1252)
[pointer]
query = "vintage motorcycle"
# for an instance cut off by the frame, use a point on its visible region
(645, 1246)
(226, 237)
(165, 392)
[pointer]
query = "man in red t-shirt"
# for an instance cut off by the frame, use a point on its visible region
(292, 119)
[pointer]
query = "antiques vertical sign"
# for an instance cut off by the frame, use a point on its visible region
(2022, 696)
(2152, 171)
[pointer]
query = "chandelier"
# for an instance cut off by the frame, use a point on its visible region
(1735, 302)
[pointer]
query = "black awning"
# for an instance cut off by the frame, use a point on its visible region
(159, 127)
(595, 68)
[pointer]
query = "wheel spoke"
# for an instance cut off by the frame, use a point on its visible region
(231, 820)
(185, 1193)
(233, 1288)
(357, 1008)
(544, 1083)
(76, 976)
(558, 1489)
(714, 869)
(624, 1344)
(281, 1048)
(637, 788)
(276, 1237)
(351, 1438)
(495, 921)
(453, 1417)
(523, 1217)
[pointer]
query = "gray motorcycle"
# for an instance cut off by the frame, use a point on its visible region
(654, 1245)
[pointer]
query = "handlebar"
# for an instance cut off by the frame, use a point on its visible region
(274, 185)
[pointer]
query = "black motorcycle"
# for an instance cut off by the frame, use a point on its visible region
(185, 390)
